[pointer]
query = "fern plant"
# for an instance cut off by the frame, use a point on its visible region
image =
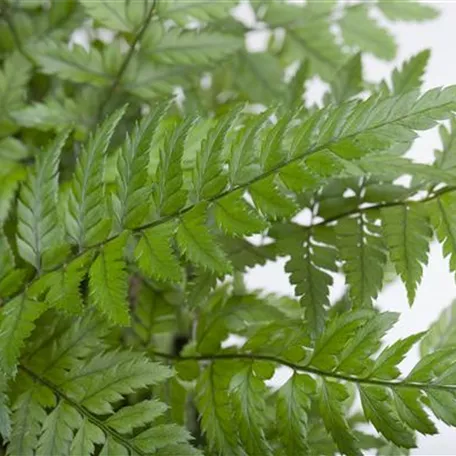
(138, 171)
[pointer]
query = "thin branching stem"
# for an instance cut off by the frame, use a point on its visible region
(83, 411)
(127, 60)
(307, 369)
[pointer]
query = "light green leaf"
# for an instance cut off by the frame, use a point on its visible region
(192, 47)
(198, 244)
(406, 10)
(155, 255)
(16, 324)
(87, 436)
(331, 397)
(215, 407)
(362, 249)
(360, 30)
(410, 75)
(379, 410)
(407, 234)
(85, 217)
(130, 199)
(134, 416)
(125, 16)
(57, 433)
(170, 195)
(293, 407)
(108, 282)
(386, 364)
(38, 231)
(442, 333)
(236, 217)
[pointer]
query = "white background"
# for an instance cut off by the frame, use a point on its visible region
(438, 288)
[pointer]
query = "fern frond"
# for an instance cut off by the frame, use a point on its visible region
(215, 406)
(198, 244)
(17, 323)
(397, 10)
(363, 252)
(360, 30)
(410, 76)
(442, 332)
(407, 234)
(81, 406)
(38, 233)
(293, 408)
(85, 221)
(130, 198)
(122, 16)
(108, 282)
(155, 255)
(192, 48)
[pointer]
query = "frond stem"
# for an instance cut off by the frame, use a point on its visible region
(83, 411)
(307, 369)
(127, 60)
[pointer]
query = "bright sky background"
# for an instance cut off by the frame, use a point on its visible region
(438, 287)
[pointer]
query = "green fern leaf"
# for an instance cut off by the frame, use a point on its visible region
(14, 79)
(379, 410)
(57, 432)
(215, 407)
(386, 364)
(236, 217)
(446, 158)
(442, 333)
(410, 410)
(17, 322)
(85, 439)
(111, 448)
(331, 397)
(50, 115)
(160, 437)
(135, 416)
(208, 177)
(63, 285)
(360, 30)
(410, 76)
(348, 81)
(354, 358)
(248, 392)
(270, 200)
(293, 407)
(192, 48)
(28, 415)
(408, 234)
(108, 282)
(202, 10)
(170, 195)
(130, 200)
(362, 249)
(6, 257)
(312, 255)
(198, 244)
(5, 418)
(407, 10)
(243, 149)
(443, 218)
(76, 65)
(37, 231)
(336, 336)
(123, 16)
(85, 218)
(154, 253)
